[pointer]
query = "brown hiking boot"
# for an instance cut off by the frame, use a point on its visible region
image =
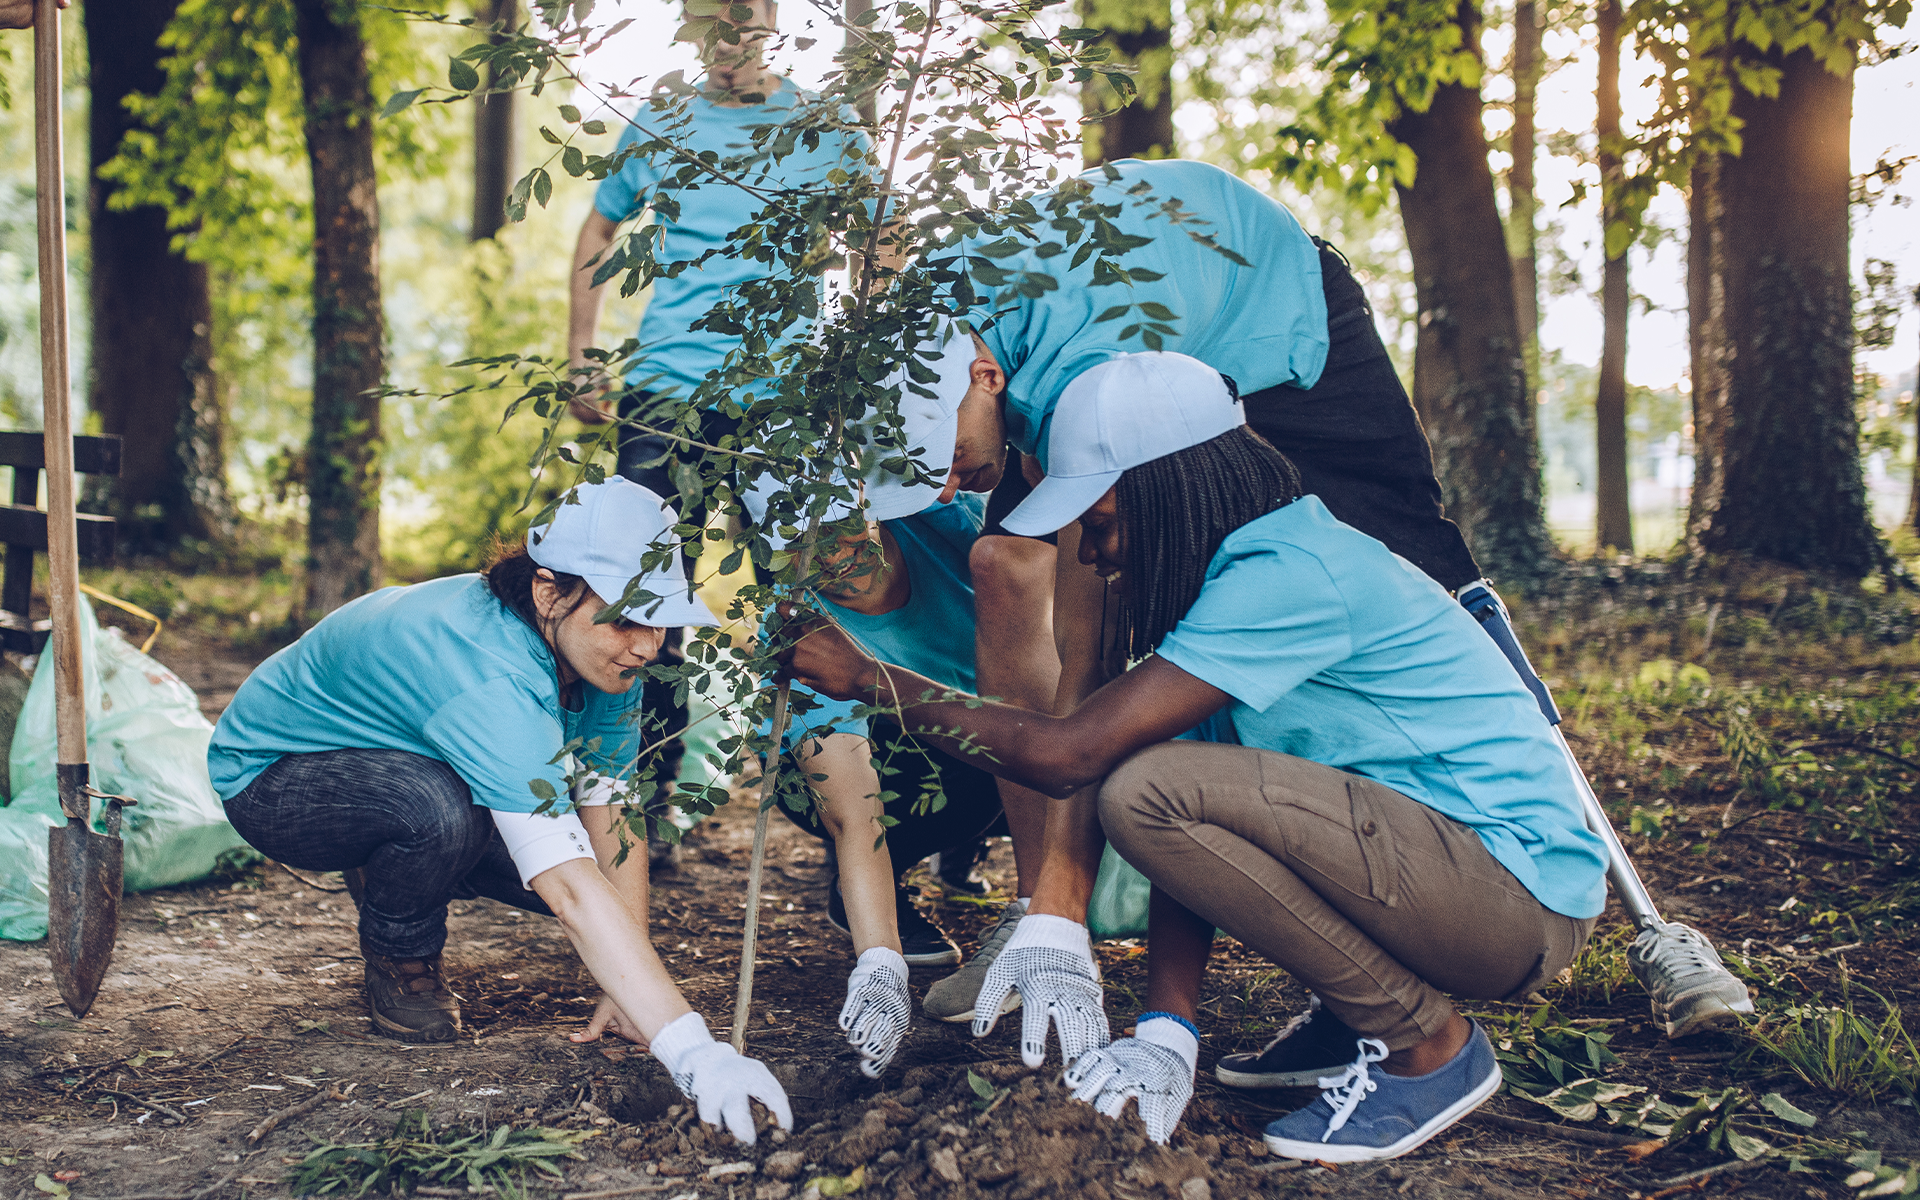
(409, 1000)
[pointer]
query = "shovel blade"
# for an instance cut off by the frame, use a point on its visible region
(84, 871)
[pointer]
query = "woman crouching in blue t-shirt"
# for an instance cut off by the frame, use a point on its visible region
(1383, 811)
(403, 739)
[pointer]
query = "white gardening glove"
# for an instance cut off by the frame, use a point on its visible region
(877, 1009)
(1155, 1066)
(718, 1079)
(1049, 960)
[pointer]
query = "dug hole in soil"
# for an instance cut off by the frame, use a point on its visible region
(231, 1002)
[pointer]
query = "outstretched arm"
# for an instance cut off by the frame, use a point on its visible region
(1152, 703)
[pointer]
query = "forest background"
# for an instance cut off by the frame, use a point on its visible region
(218, 147)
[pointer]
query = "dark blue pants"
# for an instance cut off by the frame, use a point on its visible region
(409, 820)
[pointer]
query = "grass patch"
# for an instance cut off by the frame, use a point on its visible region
(414, 1155)
(1837, 1048)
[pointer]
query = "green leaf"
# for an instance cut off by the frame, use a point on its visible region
(46, 1184)
(1745, 1148)
(542, 186)
(981, 1088)
(400, 100)
(569, 114)
(541, 789)
(594, 126)
(1114, 313)
(461, 76)
(1780, 1107)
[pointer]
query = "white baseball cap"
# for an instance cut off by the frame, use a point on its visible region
(931, 425)
(1129, 410)
(601, 532)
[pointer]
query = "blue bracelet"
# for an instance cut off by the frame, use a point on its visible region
(1167, 1016)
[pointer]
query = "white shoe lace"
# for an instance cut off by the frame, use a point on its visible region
(1347, 1089)
(1294, 1026)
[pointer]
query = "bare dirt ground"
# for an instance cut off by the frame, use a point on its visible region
(234, 1001)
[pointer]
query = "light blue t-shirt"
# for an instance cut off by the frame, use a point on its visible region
(675, 357)
(932, 633)
(1264, 324)
(440, 669)
(1338, 651)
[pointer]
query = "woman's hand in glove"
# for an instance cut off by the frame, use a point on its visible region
(718, 1080)
(1049, 961)
(1155, 1066)
(877, 1010)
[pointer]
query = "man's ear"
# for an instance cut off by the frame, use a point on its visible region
(985, 373)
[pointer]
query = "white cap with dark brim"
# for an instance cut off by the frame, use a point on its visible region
(1127, 411)
(602, 533)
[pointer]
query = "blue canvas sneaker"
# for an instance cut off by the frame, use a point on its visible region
(1363, 1115)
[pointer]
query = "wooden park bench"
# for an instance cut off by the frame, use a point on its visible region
(23, 529)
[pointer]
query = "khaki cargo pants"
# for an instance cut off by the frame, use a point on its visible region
(1379, 904)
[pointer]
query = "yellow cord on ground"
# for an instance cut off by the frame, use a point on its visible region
(135, 609)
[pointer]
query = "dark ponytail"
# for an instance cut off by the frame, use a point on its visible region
(509, 574)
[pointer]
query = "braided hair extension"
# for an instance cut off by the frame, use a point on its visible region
(1174, 513)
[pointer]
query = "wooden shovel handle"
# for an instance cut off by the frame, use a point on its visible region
(63, 552)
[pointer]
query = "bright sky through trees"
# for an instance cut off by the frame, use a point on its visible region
(1886, 98)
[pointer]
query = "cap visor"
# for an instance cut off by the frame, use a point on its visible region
(1058, 502)
(891, 497)
(673, 608)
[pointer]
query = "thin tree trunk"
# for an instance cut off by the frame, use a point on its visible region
(343, 453)
(494, 157)
(1913, 486)
(1141, 35)
(1522, 234)
(1614, 511)
(1469, 380)
(151, 377)
(1778, 460)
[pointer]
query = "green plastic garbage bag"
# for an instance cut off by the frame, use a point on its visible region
(1118, 906)
(146, 738)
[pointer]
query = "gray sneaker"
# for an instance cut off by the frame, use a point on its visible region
(951, 999)
(1691, 989)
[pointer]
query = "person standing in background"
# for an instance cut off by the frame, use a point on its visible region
(737, 94)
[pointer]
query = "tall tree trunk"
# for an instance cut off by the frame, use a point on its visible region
(1613, 507)
(151, 376)
(1522, 209)
(494, 159)
(1469, 380)
(343, 453)
(1778, 459)
(1141, 35)
(1913, 487)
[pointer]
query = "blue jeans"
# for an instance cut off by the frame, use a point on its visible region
(409, 820)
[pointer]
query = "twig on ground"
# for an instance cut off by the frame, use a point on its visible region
(315, 884)
(1685, 1180)
(1566, 1133)
(221, 1053)
(274, 1120)
(619, 1191)
(162, 1109)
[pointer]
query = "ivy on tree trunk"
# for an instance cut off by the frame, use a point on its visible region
(343, 452)
(1777, 471)
(151, 378)
(1469, 377)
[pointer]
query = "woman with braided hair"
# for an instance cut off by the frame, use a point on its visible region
(1318, 752)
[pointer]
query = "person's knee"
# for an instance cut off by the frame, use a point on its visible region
(1144, 794)
(441, 813)
(1011, 569)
